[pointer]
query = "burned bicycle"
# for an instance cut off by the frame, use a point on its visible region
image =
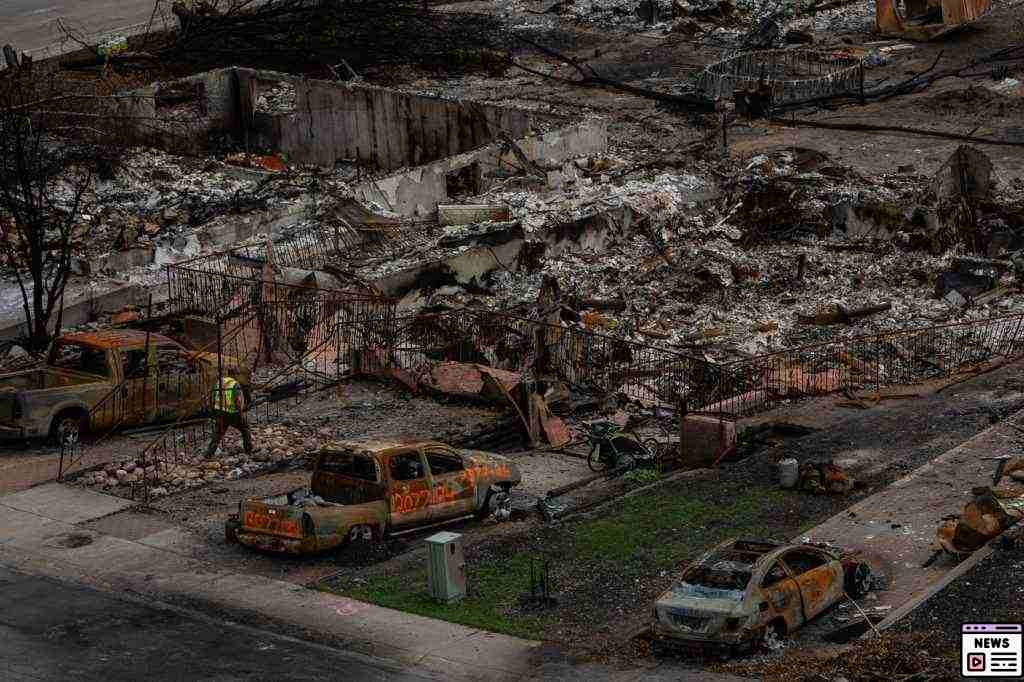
(612, 448)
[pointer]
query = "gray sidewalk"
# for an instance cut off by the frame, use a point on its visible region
(896, 526)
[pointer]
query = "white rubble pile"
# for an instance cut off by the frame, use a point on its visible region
(275, 446)
(744, 298)
(280, 99)
(578, 195)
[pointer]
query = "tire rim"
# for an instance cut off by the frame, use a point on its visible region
(501, 506)
(360, 533)
(68, 431)
(772, 639)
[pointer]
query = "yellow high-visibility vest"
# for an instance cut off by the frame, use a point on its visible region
(228, 388)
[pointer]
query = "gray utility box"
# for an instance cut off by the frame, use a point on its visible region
(446, 568)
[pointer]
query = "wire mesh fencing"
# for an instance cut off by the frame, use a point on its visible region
(866, 363)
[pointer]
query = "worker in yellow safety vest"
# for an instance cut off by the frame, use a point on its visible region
(229, 411)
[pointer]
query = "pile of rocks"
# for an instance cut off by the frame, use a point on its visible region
(182, 470)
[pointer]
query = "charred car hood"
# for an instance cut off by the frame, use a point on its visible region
(697, 610)
(712, 603)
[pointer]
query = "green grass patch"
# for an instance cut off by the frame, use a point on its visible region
(637, 540)
(494, 587)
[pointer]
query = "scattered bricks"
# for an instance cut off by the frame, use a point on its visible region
(704, 439)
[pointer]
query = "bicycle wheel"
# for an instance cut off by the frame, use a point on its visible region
(653, 448)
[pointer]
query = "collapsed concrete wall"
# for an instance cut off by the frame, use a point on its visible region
(183, 115)
(319, 122)
(383, 128)
(592, 233)
(416, 192)
(464, 269)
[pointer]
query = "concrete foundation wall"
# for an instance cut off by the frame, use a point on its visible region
(80, 306)
(185, 127)
(416, 192)
(383, 128)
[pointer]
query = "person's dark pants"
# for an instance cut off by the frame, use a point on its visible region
(224, 421)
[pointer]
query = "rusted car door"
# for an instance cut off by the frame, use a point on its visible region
(779, 596)
(179, 384)
(819, 577)
(410, 487)
(453, 490)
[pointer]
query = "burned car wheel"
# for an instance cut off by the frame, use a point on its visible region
(772, 636)
(360, 533)
(498, 504)
(857, 579)
(69, 428)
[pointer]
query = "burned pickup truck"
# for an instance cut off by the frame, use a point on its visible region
(363, 491)
(156, 379)
(747, 593)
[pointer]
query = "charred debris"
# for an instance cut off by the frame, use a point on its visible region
(617, 249)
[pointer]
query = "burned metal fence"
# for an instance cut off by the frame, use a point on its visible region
(602, 365)
(70, 455)
(588, 362)
(791, 75)
(230, 282)
(870, 362)
(180, 444)
(303, 335)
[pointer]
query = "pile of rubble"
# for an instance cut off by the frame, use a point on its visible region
(275, 447)
(760, 261)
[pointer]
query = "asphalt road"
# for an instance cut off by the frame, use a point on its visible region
(31, 24)
(53, 631)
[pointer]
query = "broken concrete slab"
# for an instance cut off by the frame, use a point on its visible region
(417, 192)
(82, 304)
(967, 173)
(463, 269)
(467, 214)
(119, 261)
(593, 233)
(866, 221)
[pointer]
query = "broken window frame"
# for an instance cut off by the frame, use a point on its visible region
(83, 351)
(408, 455)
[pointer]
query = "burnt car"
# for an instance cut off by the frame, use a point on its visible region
(745, 594)
(95, 381)
(366, 490)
